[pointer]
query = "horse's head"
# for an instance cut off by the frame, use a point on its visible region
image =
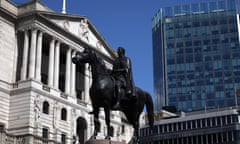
(83, 57)
(90, 56)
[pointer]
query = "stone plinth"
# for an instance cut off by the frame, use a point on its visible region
(103, 142)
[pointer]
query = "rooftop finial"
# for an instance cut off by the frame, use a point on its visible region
(64, 7)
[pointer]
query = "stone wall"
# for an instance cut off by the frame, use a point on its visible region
(7, 50)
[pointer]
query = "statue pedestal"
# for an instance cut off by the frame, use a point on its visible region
(103, 142)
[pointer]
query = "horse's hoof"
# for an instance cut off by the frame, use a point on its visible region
(108, 138)
(93, 137)
(134, 140)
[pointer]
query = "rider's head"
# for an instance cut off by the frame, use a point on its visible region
(121, 51)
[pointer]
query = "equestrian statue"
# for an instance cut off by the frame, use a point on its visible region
(115, 90)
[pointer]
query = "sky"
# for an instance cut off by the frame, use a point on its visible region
(125, 23)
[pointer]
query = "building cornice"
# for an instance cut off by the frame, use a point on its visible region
(7, 15)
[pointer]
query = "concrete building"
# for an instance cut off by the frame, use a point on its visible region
(196, 55)
(215, 126)
(43, 96)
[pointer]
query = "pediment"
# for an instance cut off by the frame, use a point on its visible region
(82, 28)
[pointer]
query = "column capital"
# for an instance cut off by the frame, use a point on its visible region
(40, 33)
(54, 38)
(34, 29)
(27, 28)
(58, 43)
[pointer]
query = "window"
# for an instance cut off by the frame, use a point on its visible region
(123, 129)
(174, 127)
(223, 120)
(229, 119)
(45, 107)
(203, 123)
(194, 124)
(184, 125)
(45, 133)
(63, 139)
(112, 131)
(165, 128)
(161, 128)
(218, 121)
(234, 118)
(213, 122)
(189, 124)
(64, 114)
(208, 122)
(199, 123)
(2, 128)
(179, 126)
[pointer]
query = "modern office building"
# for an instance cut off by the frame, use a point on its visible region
(196, 55)
(215, 126)
(44, 97)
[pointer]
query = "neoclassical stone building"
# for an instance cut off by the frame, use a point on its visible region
(43, 96)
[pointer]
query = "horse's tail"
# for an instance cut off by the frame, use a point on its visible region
(149, 105)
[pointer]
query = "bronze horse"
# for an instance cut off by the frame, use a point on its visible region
(102, 94)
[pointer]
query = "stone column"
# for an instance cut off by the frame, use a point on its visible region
(32, 54)
(73, 77)
(39, 56)
(51, 63)
(56, 72)
(68, 72)
(25, 56)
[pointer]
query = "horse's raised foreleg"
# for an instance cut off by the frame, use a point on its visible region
(107, 121)
(96, 123)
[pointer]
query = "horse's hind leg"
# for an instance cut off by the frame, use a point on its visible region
(96, 123)
(107, 120)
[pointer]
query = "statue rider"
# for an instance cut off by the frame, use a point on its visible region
(122, 71)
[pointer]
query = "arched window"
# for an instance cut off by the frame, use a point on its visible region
(64, 114)
(81, 129)
(45, 107)
(112, 131)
